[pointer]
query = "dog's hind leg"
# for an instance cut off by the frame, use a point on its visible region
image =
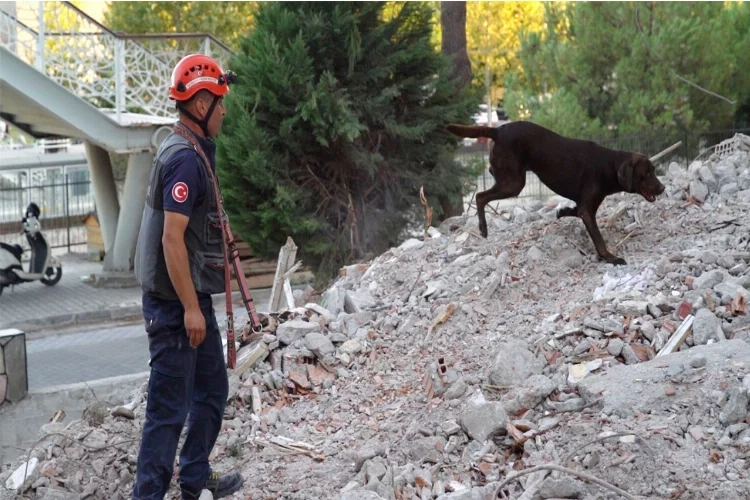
(513, 182)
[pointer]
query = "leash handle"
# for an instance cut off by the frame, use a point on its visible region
(230, 249)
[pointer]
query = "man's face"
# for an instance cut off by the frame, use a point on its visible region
(203, 104)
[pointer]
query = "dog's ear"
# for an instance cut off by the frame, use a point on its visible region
(625, 175)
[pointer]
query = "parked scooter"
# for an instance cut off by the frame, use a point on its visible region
(42, 265)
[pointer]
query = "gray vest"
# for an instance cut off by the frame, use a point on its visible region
(203, 235)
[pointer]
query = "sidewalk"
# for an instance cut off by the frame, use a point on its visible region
(34, 306)
(69, 302)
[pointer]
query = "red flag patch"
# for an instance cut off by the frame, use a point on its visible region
(180, 192)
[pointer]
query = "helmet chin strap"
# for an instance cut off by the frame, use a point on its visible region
(203, 124)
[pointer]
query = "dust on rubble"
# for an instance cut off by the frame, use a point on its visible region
(446, 366)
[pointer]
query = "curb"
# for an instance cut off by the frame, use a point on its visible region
(116, 314)
(91, 385)
(127, 313)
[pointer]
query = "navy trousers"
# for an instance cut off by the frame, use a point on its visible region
(185, 383)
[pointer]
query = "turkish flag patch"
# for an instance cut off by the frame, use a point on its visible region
(180, 192)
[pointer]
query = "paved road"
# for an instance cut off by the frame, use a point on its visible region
(81, 354)
(71, 356)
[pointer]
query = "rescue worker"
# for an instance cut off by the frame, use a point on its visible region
(179, 263)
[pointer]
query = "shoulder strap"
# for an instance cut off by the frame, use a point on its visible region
(230, 249)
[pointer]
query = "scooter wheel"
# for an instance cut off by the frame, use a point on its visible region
(52, 276)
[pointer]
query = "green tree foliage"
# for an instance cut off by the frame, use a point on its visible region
(225, 20)
(596, 66)
(337, 119)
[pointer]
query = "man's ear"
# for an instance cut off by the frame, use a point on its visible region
(625, 176)
(200, 108)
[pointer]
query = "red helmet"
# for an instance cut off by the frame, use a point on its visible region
(198, 72)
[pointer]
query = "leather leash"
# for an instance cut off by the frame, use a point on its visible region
(230, 248)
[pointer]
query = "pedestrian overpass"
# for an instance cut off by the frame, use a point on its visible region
(63, 74)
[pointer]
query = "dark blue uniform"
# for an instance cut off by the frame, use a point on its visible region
(184, 381)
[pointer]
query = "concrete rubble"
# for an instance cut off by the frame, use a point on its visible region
(444, 366)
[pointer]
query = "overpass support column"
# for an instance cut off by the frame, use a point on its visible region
(105, 192)
(133, 200)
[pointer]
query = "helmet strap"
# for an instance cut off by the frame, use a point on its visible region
(203, 124)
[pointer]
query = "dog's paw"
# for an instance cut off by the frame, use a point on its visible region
(566, 212)
(483, 229)
(618, 261)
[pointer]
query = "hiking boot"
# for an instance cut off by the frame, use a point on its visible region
(222, 486)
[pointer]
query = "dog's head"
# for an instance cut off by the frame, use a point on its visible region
(638, 175)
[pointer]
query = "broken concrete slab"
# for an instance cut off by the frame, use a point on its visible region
(514, 363)
(708, 279)
(319, 344)
(429, 448)
(564, 487)
(56, 494)
(333, 300)
(360, 494)
(482, 419)
(736, 407)
(291, 331)
(626, 389)
(705, 327)
(25, 472)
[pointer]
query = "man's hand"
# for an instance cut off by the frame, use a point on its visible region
(195, 325)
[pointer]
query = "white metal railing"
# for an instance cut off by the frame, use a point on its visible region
(42, 145)
(125, 73)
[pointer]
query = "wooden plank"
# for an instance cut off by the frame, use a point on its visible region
(288, 293)
(676, 340)
(287, 255)
(244, 253)
(243, 248)
(666, 151)
(258, 267)
(260, 281)
(256, 400)
(249, 355)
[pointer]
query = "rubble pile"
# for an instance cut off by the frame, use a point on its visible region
(447, 366)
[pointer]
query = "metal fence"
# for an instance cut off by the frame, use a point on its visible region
(475, 154)
(694, 142)
(64, 196)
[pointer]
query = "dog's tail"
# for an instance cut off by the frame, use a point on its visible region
(472, 131)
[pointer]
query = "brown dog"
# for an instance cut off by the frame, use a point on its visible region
(581, 171)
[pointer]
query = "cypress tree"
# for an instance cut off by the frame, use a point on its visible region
(336, 120)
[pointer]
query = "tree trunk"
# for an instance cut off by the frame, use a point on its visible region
(453, 24)
(453, 45)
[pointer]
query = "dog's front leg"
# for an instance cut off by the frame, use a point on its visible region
(601, 248)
